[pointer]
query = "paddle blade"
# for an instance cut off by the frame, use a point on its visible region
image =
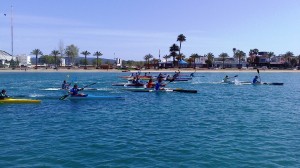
(185, 91)
(257, 71)
(63, 97)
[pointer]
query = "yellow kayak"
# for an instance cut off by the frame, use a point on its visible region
(12, 100)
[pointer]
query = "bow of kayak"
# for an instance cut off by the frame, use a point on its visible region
(21, 101)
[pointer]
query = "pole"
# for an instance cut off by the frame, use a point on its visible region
(12, 31)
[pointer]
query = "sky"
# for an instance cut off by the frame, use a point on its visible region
(131, 29)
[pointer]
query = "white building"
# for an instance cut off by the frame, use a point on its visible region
(62, 62)
(4, 56)
(119, 62)
(23, 60)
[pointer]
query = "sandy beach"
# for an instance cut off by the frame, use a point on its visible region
(184, 70)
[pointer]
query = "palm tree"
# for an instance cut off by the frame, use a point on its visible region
(234, 51)
(98, 54)
(210, 57)
(173, 52)
(55, 53)
(223, 56)
(36, 52)
(167, 57)
(194, 56)
(270, 55)
(85, 53)
(287, 57)
(147, 58)
(181, 38)
(240, 55)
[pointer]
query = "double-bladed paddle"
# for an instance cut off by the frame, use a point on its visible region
(258, 75)
(67, 95)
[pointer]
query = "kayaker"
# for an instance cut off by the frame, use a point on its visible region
(74, 91)
(150, 83)
(158, 84)
(3, 94)
(65, 85)
(255, 80)
(226, 79)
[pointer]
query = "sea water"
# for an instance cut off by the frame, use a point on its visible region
(223, 125)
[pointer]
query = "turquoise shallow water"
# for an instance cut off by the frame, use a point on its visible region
(221, 126)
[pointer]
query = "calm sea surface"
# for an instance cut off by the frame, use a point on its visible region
(221, 126)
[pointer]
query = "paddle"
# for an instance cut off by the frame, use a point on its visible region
(185, 91)
(258, 75)
(67, 95)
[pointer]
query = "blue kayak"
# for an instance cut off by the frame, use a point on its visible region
(94, 97)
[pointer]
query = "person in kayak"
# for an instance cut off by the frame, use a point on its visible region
(3, 94)
(226, 79)
(74, 91)
(158, 84)
(150, 83)
(65, 85)
(255, 80)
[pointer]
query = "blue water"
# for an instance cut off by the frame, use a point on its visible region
(221, 126)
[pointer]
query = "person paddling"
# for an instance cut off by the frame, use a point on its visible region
(3, 94)
(226, 79)
(158, 84)
(74, 91)
(150, 83)
(65, 85)
(255, 80)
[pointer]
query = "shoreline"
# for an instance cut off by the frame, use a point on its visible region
(143, 71)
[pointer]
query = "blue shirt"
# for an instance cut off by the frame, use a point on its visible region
(74, 91)
(255, 80)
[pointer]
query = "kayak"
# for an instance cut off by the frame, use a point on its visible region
(266, 83)
(94, 97)
(250, 83)
(13, 100)
(163, 90)
(60, 89)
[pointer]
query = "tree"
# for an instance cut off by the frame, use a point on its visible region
(173, 52)
(239, 55)
(181, 38)
(270, 55)
(36, 52)
(167, 57)
(223, 57)
(234, 51)
(287, 56)
(194, 56)
(98, 54)
(55, 54)
(85, 53)
(46, 59)
(210, 57)
(72, 52)
(147, 58)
